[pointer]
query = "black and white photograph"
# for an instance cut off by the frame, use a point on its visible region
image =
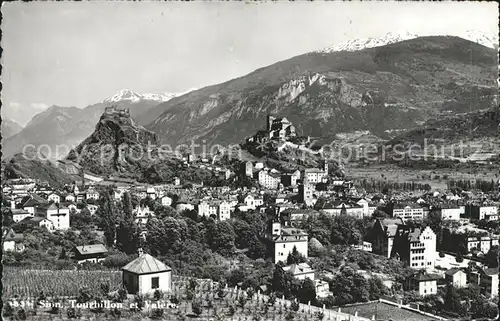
(250, 160)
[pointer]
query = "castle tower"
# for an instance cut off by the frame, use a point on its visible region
(270, 120)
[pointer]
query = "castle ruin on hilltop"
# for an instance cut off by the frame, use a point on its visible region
(114, 110)
(277, 128)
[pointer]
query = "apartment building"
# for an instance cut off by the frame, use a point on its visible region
(482, 212)
(408, 212)
(415, 246)
(451, 212)
(269, 180)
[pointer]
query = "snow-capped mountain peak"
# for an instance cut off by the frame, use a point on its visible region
(402, 35)
(359, 44)
(481, 38)
(129, 95)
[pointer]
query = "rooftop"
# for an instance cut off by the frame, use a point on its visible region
(146, 264)
(91, 249)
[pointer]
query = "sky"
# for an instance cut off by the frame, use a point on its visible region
(79, 53)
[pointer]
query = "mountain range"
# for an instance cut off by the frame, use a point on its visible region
(393, 37)
(395, 86)
(9, 128)
(383, 86)
(69, 126)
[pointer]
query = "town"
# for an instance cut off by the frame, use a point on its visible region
(308, 236)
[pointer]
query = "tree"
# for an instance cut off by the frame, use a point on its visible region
(127, 237)
(221, 237)
(279, 281)
(197, 308)
(349, 287)
(63, 255)
(295, 257)
(307, 292)
(379, 214)
(452, 300)
(107, 214)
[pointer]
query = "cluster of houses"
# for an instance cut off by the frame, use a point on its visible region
(392, 238)
(290, 197)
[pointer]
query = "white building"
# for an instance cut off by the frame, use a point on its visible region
(416, 246)
(285, 239)
(408, 212)
(166, 201)
(452, 213)
(300, 271)
(92, 194)
(58, 215)
(142, 214)
(315, 175)
(145, 275)
(269, 180)
(54, 198)
(20, 214)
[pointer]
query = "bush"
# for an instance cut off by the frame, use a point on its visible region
(196, 307)
(158, 295)
(8, 311)
(83, 295)
(71, 313)
(295, 306)
(157, 314)
(231, 310)
(116, 312)
(174, 299)
(122, 294)
(21, 314)
(319, 315)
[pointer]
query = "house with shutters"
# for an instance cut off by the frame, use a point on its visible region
(423, 283)
(145, 275)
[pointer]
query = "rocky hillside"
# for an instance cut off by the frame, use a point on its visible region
(34, 165)
(484, 124)
(115, 146)
(397, 86)
(473, 136)
(9, 128)
(69, 126)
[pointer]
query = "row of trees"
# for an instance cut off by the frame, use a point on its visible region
(383, 186)
(481, 185)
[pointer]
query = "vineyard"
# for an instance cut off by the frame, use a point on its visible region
(28, 283)
(201, 300)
